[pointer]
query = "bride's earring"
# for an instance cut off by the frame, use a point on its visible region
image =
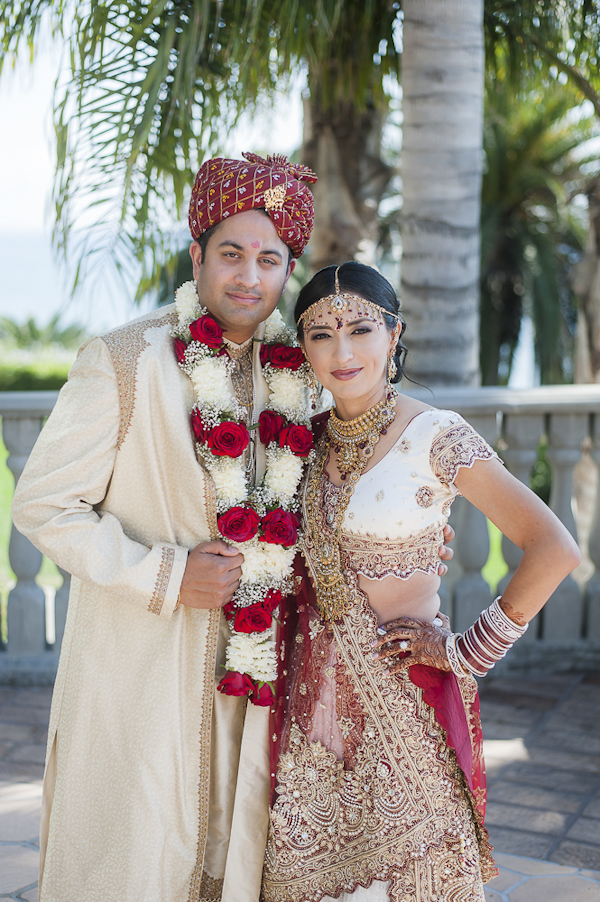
(312, 382)
(392, 369)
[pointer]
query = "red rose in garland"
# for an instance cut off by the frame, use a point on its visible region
(255, 618)
(180, 347)
(229, 439)
(273, 599)
(234, 683)
(262, 695)
(200, 430)
(207, 331)
(239, 524)
(282, 357)
(298, 439)
(280, 527)
(269, 426)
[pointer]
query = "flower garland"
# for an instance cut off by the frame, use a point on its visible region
(261, 521)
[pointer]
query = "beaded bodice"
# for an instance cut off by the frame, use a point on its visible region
(393, 524)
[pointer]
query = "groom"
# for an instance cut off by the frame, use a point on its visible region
(156, 786)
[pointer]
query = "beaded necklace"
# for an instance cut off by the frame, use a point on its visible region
(322, 538)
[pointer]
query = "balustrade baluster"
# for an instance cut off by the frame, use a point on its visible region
(592, 589)
(26, 602)
(471, 592)
(563, 614)
(522, 435)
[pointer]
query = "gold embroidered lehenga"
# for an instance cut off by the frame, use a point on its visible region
(380, 786)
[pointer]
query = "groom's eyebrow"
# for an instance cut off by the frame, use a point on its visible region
(238, 247)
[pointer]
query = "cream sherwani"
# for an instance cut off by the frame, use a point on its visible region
(156, 785)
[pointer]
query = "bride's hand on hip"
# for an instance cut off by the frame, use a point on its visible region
(420, 641)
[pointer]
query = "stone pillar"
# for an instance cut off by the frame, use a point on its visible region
(563, 614)
(26, 602)
(521, 434)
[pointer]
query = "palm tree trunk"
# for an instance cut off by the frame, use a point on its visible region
(343, 145)
(442, 84)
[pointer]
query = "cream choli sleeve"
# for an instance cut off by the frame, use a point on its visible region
(411, 489)
(58, 499)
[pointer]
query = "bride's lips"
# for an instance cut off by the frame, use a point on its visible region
(345, 375)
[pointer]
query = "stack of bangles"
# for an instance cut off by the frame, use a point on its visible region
(484, 643)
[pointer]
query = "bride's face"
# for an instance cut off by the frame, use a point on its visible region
(348, 352)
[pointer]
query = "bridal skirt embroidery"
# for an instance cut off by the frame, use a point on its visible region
(369, 793)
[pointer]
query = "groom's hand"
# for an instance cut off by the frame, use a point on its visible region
(211, 576)
(446, 554)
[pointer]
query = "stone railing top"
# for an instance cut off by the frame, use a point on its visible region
(468, 401)
(560, 399)
(27, 403)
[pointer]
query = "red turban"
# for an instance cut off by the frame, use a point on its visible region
(226, 187)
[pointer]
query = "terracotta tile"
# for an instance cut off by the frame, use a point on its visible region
(556, 889)
(593, 875)
(577, 853)
(31, 895)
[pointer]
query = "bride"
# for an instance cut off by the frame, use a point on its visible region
(380, 782)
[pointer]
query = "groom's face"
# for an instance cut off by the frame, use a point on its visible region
(243, 274)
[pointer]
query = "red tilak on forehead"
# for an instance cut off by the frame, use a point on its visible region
(256, 244)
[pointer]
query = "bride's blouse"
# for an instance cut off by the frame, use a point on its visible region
(393, 525)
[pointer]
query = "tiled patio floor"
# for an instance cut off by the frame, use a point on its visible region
(543, 761)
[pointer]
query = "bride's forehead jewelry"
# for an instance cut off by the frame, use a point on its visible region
(351, 306)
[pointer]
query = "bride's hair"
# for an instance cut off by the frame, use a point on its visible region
(356, 278)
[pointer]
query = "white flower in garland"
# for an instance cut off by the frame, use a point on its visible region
(276, 329)
(267, 564)
(230, 482)
(186, 304)
(212, 384)
(289, 393)
(256, 651)
(284, 471)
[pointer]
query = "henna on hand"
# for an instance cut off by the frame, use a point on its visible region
(425, 644)
(516, 616)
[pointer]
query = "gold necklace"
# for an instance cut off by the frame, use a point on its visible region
(350, 437)
(322, 534)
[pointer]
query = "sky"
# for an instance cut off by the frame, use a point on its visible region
(32, 281)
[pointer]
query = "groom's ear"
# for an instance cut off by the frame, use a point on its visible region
(290, 270)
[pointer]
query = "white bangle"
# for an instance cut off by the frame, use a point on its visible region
(454, 660)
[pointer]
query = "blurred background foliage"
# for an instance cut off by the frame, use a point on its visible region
(148, 89)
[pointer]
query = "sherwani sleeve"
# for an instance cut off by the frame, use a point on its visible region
(57, 502)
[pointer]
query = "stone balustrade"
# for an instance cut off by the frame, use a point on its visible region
(565, 635)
